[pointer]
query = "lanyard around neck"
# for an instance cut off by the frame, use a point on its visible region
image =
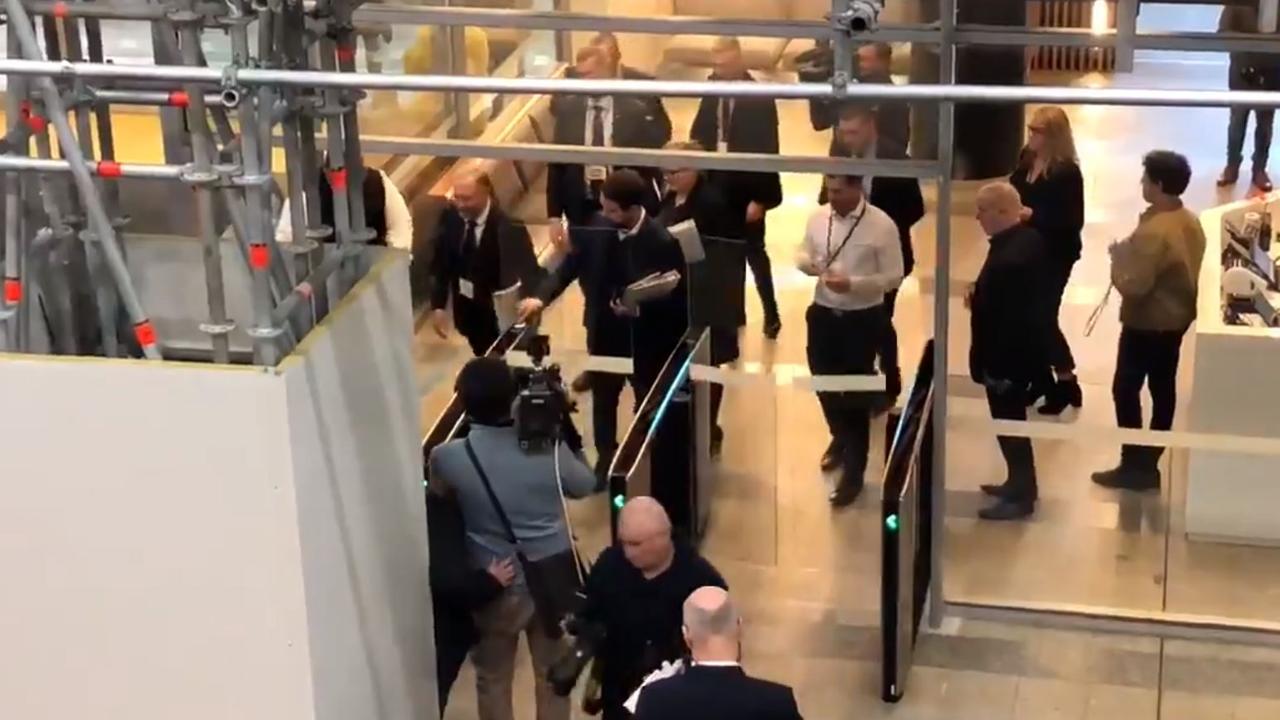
(831, 219)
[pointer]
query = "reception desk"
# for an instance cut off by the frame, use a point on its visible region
(1232, 497)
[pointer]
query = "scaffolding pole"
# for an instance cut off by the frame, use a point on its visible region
(203, 179)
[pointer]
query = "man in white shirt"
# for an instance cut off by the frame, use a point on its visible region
(852, 248)
(386, 211)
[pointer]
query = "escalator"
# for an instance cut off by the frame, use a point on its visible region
(907, 532)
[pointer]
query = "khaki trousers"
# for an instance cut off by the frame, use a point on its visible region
(501, 623)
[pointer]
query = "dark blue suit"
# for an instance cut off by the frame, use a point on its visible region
(716, 693)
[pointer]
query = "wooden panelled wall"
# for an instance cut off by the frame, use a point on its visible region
(1069, 14)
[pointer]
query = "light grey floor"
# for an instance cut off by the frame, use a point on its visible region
(808, 578)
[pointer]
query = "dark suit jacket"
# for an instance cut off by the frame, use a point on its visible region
(716, 285)
(637, 123)
(661, 123)
(1012, 317)
(753, 128)
(898, 197)
(716, 693)
(588, 263)
(503, 258)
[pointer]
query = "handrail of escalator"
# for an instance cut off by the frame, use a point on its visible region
(636, 442)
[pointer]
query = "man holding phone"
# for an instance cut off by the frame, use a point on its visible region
(852, 247)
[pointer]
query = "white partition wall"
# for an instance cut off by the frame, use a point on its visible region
(191, 542)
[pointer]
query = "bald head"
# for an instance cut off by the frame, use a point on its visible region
(644, 532)
(712, 625)
(471, 194)
(999, 207)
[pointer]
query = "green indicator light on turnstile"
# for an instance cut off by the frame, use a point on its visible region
(619, 501)
(891, 522)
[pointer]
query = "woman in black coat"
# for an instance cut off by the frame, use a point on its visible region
(716, 284)
(1052, 189)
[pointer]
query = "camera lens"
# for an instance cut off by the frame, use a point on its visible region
(859, 24)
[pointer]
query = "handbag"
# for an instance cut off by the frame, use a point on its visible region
(555, 582)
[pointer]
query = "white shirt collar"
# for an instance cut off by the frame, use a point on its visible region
(861, 208)
(483, 219)
(716, 663)
(635, 228)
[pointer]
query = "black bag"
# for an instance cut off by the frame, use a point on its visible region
(555, 583)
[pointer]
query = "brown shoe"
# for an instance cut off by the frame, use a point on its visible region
(1261, 179)
(1230, 176)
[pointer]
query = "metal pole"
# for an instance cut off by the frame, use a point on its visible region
(942, 311)
(103, 168)
(352, 159)
(339, 180)
(316, 280)
(14, 277)
(152, 98)
(106, 133)
(1126, 33)
(254, 180)
(107, 304)
(144, 331)
(203, 178)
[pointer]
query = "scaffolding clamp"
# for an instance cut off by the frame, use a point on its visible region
(264, 333)
(232, 89)
(216, 329)
(196, 178)
(319, 233)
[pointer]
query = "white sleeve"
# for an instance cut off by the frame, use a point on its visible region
(284, 226)
(889, 266)
(399, 221)
(804, 253)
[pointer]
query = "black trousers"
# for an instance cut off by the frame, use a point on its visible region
(1238, 128)
(761, 268)
(889, 364)
(845, 343)
(1060, 355)
(1008, 401)
(477, 322)
(608, 337)
(1146, 357)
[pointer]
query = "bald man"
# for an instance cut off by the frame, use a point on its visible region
(1012, 322)
(715, 687)
(634, 600)
(478, 251)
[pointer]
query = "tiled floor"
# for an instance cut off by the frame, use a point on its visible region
(808, 578)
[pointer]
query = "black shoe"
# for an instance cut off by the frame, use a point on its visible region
(1127, 478)
(845, 494)
(581, 384)
(831, 458)
(995, 491)
(603, 462)
(1066, 393)
(1007, 509)
(772, 326)
(717, 441)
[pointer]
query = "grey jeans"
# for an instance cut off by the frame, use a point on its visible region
(1238, 128)
(500, 624)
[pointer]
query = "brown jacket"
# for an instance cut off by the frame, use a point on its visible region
(1157, 270)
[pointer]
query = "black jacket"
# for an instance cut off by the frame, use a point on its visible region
(716, 285)
(660, 121)
(1056, 200)
(503, 258)
(457, 590)
(753, 128)
(716, 693)
(899, 197)
(640, 619)
(1011, 315)
(637, 123)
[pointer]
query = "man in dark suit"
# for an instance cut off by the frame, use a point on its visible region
(616, 248)
(857, 135)
(608, 42)
(744, 125)
(715, 687)
(478, 251)
(573, 191)
(893, 119)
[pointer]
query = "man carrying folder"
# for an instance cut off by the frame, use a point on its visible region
(622, 315)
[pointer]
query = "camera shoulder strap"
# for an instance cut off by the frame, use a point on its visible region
(493, 497)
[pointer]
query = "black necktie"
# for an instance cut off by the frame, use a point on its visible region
(468, 246)
(597, 123)
(725, 106)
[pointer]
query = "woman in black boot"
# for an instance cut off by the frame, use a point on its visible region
(1048, 179)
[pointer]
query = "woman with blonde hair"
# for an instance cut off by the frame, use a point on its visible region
(1052, 189)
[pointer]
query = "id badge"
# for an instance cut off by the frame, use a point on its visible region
(722, 146)
(596, 173)
(466, 289)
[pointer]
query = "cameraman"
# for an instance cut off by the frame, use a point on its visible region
(526, 488)
(1248, 71)
(634, 601)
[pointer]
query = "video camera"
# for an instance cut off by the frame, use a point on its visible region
(543, 406)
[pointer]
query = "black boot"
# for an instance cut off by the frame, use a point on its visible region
(1064, 394)
(1128, 477)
